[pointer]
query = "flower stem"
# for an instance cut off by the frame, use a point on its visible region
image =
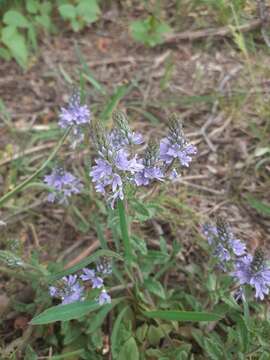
(27, 181)
(124, 231)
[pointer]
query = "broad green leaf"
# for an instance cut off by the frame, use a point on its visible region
(115, 332)
(129, 350)
(65, 312)
(5, 54)
(85, 262)
(98, 318)
(141, 332)
(261, 207)
(150, 31)
(32, 6)
(243, 334)
(15, 42)
(155, 288)
(67, 11)
(175, 315)
(155, 334)
(45, 21)
(16, 19)
(45, 7)
(88, 10)
(75, 24)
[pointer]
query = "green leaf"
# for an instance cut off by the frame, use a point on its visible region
(115, 332)
(85, 262)
(32, 6)
(67, 11)
(44, 21)
(213, 350)
(174, 315)
(261, 207)
(15, 42)
(5, 54)
(155, 334)
(150, 31)
(65, 312)
(16, 19)
(129, 350)
(30, 354)
(32, 36)
(45, 7)
(243, 334)
(75, 24)
(98, 318)
(141, 332)
(155, 288)
(88, 10)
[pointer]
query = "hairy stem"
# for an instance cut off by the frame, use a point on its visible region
(124, 231)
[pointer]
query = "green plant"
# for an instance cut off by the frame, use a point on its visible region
(23, 21)
(80, 14)
(150, 31)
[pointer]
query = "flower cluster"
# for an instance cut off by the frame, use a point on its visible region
(63, 184)
(223, 242)
(233, 257)
(69, 289)
(175, 145)
(118, 164)
(75, 115)
(97, 283)
(253, 271)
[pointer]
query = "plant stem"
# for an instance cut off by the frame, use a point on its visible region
(124, 231)
(27, 181)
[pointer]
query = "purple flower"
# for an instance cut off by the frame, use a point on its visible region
(210, 232)
(88, 274)
(170, 151)
(175, 145)
(143, 177)
(97, 282)
(222, 240)
(104, 298)
(63, 184)
(69, 290)
(253, 271)
(122, 136)
(120, 139)
(75, 115)
(111, 171)
(122, 163)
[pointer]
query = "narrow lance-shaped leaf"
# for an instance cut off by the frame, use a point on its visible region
(173, 315)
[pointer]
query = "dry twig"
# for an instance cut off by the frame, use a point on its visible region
(215, 32)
